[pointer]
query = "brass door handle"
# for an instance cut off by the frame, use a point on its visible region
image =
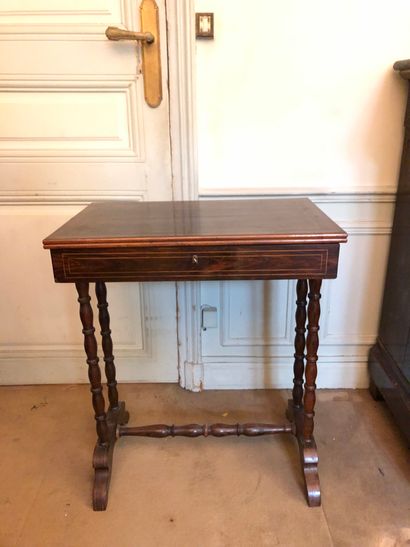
(115, 33)
(150, 48)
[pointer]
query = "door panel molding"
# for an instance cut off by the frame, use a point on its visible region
(87, 19)
(279, 334)
(66, 197)
(58, 108)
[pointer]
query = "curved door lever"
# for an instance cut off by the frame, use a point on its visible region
(150, 48)
(115, 33)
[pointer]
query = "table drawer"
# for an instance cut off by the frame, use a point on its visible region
(151, 264)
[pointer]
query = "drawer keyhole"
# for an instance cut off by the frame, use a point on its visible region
(195, 259)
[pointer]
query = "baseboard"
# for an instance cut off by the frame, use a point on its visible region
(332, 373)
(72, 369)
(226, 374)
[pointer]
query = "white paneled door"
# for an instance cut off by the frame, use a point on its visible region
(74, 128)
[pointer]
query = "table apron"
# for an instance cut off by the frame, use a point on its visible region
(196, 263)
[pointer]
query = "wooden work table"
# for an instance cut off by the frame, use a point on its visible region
(198, 240)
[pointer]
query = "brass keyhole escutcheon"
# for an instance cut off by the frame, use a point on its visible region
(195, 259)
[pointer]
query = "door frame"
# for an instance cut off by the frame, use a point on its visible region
(184, 164)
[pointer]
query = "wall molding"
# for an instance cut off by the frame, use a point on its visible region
(286, 340)
(369, 228)
(379, 194)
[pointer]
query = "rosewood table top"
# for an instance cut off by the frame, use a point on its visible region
(137, 223)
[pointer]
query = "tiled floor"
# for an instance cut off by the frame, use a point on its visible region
(199, 492)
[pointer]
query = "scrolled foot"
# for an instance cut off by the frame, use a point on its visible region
(309, 460)
(103, 457)
(308, 456)
(100, 489)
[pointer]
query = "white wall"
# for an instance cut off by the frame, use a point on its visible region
(301, 94)
(300, 98)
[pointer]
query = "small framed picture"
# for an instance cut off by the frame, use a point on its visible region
(204, 25)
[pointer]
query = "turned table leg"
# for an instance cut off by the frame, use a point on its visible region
(303, 414)
(116, 407)
(310, 457)
(94, 373)
(104, 318)
(299, 363)
(106, 423)
(312, 345)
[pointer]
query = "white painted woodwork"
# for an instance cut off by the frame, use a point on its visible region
(63, 12)
(75, 128)
(87, 122)
(182, 64)
(252, 344)
(43, 17)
